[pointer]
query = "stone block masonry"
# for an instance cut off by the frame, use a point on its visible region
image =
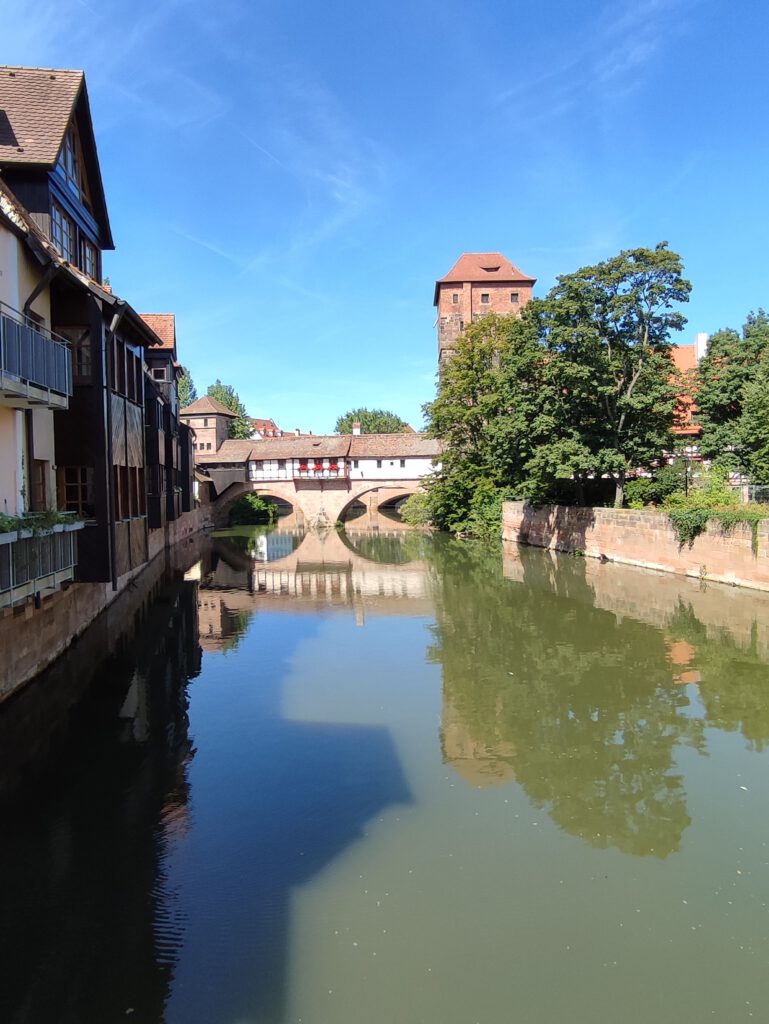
(645, 538)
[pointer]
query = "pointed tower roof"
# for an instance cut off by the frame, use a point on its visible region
(477, 267)
(207, 406)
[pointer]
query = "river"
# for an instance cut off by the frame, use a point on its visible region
(386, 778)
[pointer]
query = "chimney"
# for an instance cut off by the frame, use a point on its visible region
(701, 345)
(356, 429)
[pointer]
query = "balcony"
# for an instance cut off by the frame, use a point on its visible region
(35, 364)
(33, 563)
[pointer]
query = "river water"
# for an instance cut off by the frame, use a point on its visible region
(369, 778)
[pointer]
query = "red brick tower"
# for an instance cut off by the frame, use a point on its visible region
(477, 284)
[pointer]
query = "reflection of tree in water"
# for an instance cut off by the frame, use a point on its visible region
(734, 687)
(390, 550)
(580, 706)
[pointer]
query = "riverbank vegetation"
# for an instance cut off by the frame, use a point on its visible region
(575, 401)
(564, 402)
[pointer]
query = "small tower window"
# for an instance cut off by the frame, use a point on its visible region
(455, 298)
(514, 298)
(484, 297)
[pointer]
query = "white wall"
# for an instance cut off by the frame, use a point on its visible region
(391, 469)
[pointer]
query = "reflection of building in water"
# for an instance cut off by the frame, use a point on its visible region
(680, 654)
(273, 545)
(322, 571)
(87, 847)
(481, 761)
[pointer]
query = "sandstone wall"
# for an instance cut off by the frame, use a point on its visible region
(644, 538)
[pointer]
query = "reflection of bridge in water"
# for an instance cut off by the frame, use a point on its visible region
(290, 571)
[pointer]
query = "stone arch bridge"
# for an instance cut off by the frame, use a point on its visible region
(319, 476)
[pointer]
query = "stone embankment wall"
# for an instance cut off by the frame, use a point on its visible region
(644, 538)
(32, 638)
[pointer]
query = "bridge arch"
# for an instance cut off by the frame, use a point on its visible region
(316, 500)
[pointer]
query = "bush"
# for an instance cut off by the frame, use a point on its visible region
(416, 510)
(644, 490)
(253, 510)
(711, 501)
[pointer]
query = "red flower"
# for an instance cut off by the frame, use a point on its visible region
(334, 466)
(302, 467)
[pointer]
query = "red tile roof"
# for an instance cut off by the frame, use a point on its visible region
(381, 446)
(310, 446)
(267, 428)
(477, 267)
(207, 406)
(164, 325)
(36, 105)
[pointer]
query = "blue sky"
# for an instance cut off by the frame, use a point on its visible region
(291, 178)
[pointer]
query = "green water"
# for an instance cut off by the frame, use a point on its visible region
(410, 780)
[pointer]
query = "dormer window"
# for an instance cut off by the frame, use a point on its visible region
(70, 162)
(63, 233)
(89, 258)
(71, 165)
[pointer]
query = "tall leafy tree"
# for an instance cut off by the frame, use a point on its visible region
(488, 397)
(752, 433)
(241, 426)
(372, 421)
(729, 374)
(187, 390)
(608, 330)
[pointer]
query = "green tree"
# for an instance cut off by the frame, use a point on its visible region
(752, 434)
(607, 328)
(733, 363)
(468, 402)
(187, 390)
(241, 426)
(372, 421)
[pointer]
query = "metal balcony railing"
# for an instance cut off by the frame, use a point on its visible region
(29, 565)
(33, 355)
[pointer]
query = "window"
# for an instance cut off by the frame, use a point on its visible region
(403, 463)
(89, 258)
(355, 463)
(281, 463)
(76, 490)
(514, 298)
(39, 490)
(80, 343)
(158, 373)
(455, 298)
(378, 463)
(63, 233)
(205, 423)
(208, 446)
(484, 297)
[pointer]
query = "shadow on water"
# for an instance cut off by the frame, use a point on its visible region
(289, 798)
(85, 931)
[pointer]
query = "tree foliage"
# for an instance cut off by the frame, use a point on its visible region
(241, 426)
(186, 388)
(609, 326)
(733, 400)
(578, 390)
(372, 421)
